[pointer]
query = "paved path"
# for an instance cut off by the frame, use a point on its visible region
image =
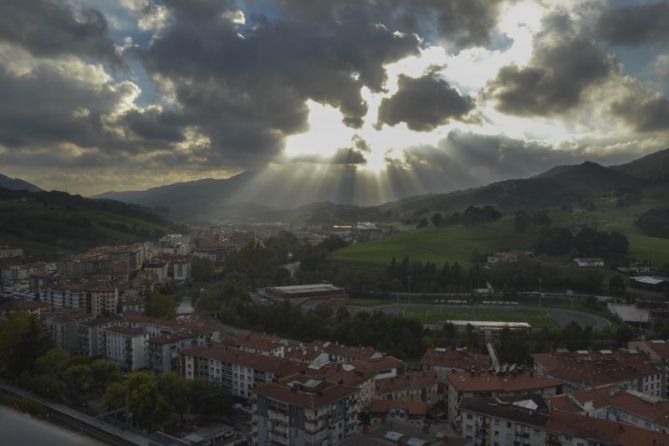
(95, 427)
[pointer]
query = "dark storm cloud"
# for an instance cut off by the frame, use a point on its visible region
(245, 88)
(635, 25)
(52, 28)
(424, 103)
(563, 66)
(47, 107)
(462, 23)
(644, 114)
(154, 124)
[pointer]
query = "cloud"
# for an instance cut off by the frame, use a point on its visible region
(635, 25)
(245, 87)
(49, 28)
(645, 113)
(348, 156)
(424, 103)
(564, 65)
(461, 23)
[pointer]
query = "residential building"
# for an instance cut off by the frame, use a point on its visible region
(163, 351)
(126, 347)
(235, 370)
(444, 361)
(504, 385)
(260, 344)
(609, 402)
(388, 411)
(93, 335)
(529, 422)
(63, 328)
(629, 369)
(12, 306)
(14, 273)
(7, 253)
(181, 270)
(417, 386)
(658, 352)
(103, 300)
(159, 269)
(514, 422)
(301, 410)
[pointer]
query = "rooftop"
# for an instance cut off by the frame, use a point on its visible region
(454, 359)
(125, 331)
(270, 364)
(296, 390)
(412, 407)
(491, 382)
(410, 380)
(532, 411)
(596, 368)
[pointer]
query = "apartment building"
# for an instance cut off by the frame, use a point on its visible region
(417, 386)
(238, 371)
(10, 306)
(94, 299)
(628, 369)
(444, 361)
(503, 385)
(126, 347)
(610, 402)
(529, 422)
(658, 352)
(302, 410)
(163, 351)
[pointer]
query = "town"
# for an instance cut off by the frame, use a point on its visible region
(127, 336)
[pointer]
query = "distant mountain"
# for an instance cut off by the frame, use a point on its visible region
(47, 223)
(653, 168)
(281, 196)
(17, 184)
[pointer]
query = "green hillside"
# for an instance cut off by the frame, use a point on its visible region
(48, 223)
(456, 243)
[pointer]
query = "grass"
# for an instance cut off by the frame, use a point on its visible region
(447, 244)
(456, 243)
(537, 318)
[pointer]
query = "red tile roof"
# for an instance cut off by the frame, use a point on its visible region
(410, 406)
(603, 431)
(653, 410)
(408, 381)
(283, 391)
(454, 359)
(256, 361)
(660, 348)
(509, 383)
(595, 368)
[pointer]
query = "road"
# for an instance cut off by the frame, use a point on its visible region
(20, 429)
(560, 316)
(92, 426)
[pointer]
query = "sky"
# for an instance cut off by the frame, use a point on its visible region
(397, 97)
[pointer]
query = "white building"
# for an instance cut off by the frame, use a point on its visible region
(181, 270)
(589, 262)
(127, 347)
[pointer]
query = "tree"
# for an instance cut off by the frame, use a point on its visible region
(115, 395)
(148, 405)
(78, 379)
(162, 307)
(22, 341)
(202, 269)
(617, 286)
(422, 223)
(53, 362)
(178, 392)
(104, 373)
(437, 220)
(555, 241)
